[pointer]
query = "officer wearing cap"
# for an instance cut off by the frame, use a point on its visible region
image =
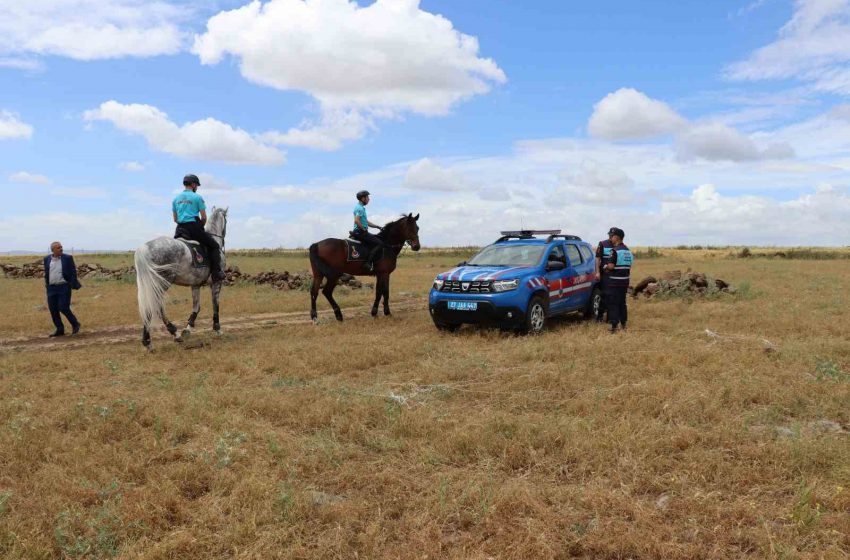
(617, 267)
(603, 250)
(361, 230)
(190, 214)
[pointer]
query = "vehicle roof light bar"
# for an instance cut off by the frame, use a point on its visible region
(526, 233)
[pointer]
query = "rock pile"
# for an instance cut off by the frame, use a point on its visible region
(300, 280)
(85, 270)
(678, 283)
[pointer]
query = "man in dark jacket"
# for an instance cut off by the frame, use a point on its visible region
(618, 265)
(60, 277)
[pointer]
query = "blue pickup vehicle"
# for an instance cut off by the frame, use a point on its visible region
(518, 282)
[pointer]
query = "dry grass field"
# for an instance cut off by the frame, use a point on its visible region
(386, 439)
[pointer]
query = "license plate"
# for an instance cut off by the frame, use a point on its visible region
(463, 305)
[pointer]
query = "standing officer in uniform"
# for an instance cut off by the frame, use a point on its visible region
(361, 230)
(603, 250)
(185, 210)
(618, 268)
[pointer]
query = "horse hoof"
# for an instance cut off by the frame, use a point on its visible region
(387, 312)
(186, 332)
(338, 317)
(374, 313)
(217, 332)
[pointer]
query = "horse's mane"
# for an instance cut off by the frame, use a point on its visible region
(389, 227)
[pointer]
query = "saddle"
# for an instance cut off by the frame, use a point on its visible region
(200, 259)
(357, 251)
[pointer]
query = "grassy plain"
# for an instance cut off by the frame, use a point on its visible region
(386, 439)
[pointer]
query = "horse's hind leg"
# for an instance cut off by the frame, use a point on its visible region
(169, 325)
(196, 308)
(329, 294)
(314, 294)
(216, 291)
(146, 337)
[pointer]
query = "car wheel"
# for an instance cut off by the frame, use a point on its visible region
(535, 315)
(447, 327)
(593, 304)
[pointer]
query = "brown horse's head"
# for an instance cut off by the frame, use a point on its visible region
(403, 230)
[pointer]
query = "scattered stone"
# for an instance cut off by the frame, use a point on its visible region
(826, 426)
(676, 283)
(663, 502)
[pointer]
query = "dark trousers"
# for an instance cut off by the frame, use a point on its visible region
(372, 242)
(59, 301)
(615, 300)
(196, 232)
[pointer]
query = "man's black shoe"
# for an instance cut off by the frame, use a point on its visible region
(57, 333)
(613, 329)
(76, 329)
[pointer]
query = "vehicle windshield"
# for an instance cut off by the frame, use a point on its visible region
(508, 255)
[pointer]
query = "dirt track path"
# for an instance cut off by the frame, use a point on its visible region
(129, 333)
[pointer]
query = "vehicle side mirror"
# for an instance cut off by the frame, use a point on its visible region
(555, 265)
(462, 263)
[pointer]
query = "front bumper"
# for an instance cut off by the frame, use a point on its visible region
(486, 313)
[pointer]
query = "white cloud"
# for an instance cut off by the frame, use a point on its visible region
(211, 183)
(90, 29)
(206, 139)
(359, 63)
(21, 63)
(29, 178)
(132, 166)
(594, 184)
(334, 128)
(813, 47)
(718, 142)
(628, 114)
(425, 175)
(12, 127)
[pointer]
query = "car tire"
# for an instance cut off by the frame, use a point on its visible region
(593, 304)
(535, 315)
(447, 327)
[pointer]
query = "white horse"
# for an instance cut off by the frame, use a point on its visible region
(164, 261)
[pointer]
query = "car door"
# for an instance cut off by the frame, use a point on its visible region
(557, 279)
(574, 292)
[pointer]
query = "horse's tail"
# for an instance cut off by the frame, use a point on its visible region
(320, 265)
(151, 284)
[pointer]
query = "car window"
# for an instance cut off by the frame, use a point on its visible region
(508, 255)
(573, 255)
(557, 254)
(586, 253)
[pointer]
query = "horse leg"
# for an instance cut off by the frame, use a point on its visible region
(196, 308)
(329, 295)
(216, 290)
(314, 294)
(386, 286)
(146, 337)
(169, 325)
(379, 280)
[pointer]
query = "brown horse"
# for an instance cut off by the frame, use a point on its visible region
(329, 260)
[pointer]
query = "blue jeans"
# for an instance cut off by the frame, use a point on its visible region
(59, 301)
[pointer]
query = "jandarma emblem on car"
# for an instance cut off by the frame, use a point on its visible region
(465, 286)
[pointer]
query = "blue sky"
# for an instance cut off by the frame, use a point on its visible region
(682, 122)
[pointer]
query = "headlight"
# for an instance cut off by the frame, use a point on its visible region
(505, 285)
(438, 284)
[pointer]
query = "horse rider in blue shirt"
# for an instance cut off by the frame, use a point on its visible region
(190, 215)
(361, 230)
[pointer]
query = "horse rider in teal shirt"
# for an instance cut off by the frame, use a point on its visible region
(190, 214)
(361, 230)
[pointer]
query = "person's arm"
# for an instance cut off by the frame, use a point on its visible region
(599, 253)
(203, 217)
(202, 207)
(174, 216)
(374, 225)
(609, 262)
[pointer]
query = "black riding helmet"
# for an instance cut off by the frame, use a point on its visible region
(191, 179)
(617, 231)
(361, 194)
